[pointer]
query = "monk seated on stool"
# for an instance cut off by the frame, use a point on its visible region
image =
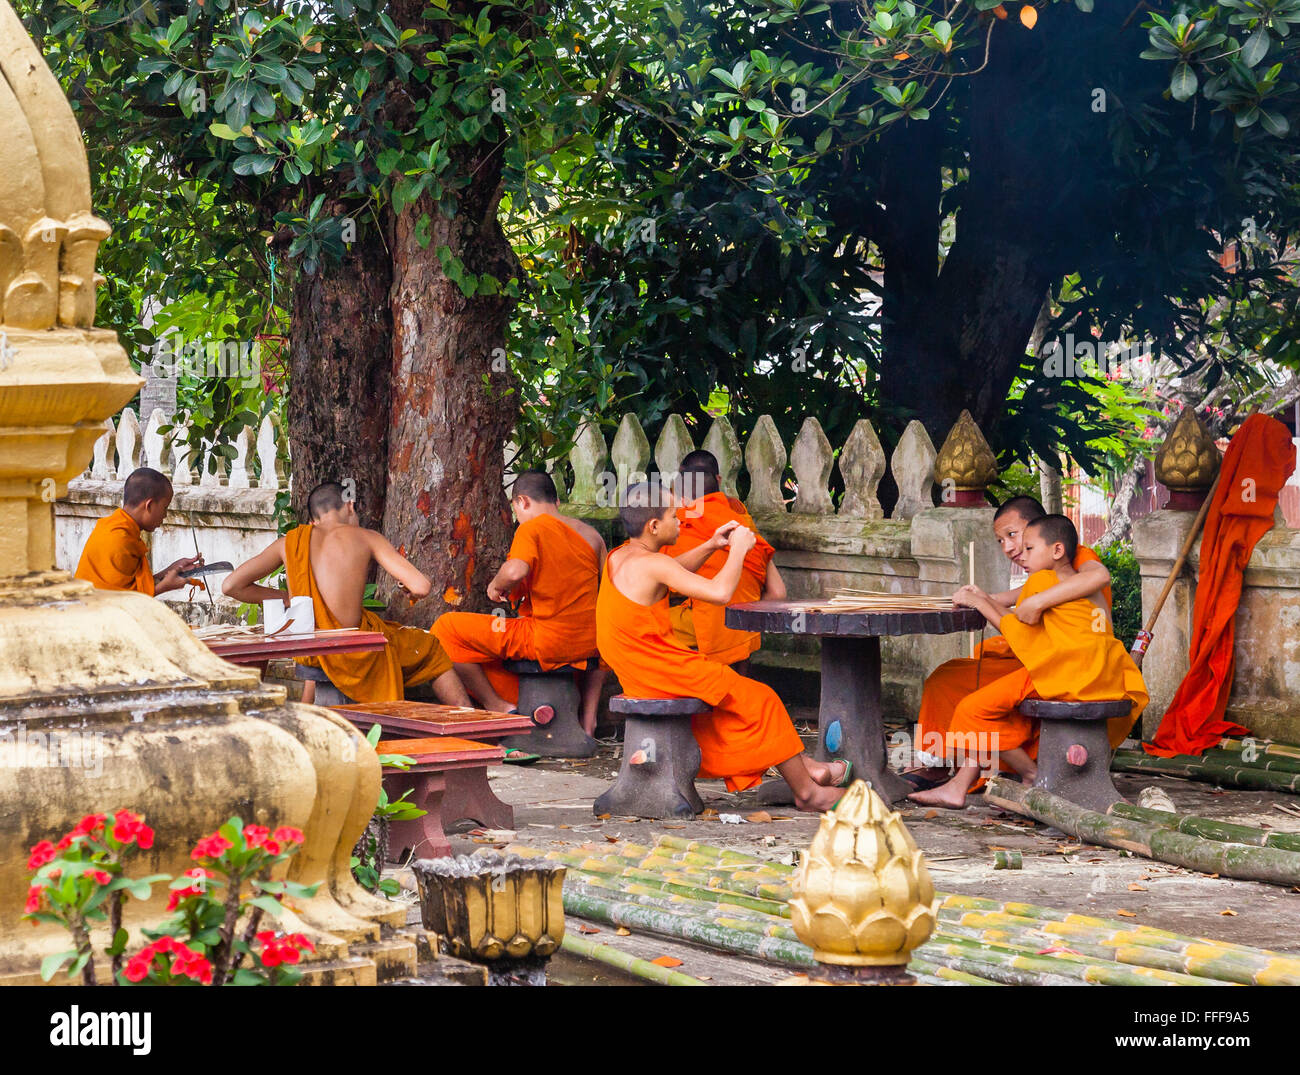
(115, 556)
(554, 567)
(704, 508)
(328, 560)
(1070, 655)
(748, 728)
(954, 680)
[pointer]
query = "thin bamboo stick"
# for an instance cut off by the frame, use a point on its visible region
(1209, 828)
(642, 968)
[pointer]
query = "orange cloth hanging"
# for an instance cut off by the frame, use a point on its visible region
(116, 557)
(699, 624)
(411, 657)
(1258, 462)
(748, 729)
(556, 624)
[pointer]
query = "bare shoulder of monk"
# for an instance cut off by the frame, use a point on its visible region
(638, 575)
(588, 533)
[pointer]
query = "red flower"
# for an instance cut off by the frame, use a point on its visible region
(285, 950)
(34, 899)
(211, 847)
(89, 824)
(288, 835)
(64, 844)
(271, 847)
(137, 969)
(255, 835)
(129, 826)
(42, 853)
(300, 941)
(98, 876)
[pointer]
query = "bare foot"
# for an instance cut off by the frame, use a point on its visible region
(830, 774)
(951, 796)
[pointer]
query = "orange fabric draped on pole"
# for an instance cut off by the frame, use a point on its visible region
(1258, 462)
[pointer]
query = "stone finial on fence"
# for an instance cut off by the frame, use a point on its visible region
(862, 465)
(725, 446)
(101, 465)
(765, 459)
(212, 470)
(180, 452)
(965, 465)
(589, 459)
(271, 475)
(913, 470)
(155, 446)
(673, 445)
(555, 468)
(128, 442)
(244, 447)
(630, 454)
(811, 459)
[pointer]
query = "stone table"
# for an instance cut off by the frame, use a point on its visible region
(849, 720)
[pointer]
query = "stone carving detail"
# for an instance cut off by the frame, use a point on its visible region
(913, 470)
(812, 460)
(725, 446)
(590, 460)
(765, 458)
(630, 454)
(673, 445)
(862, 465)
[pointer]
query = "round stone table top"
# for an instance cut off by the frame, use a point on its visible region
(790, 618)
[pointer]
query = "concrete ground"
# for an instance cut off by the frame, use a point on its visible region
(552, 801)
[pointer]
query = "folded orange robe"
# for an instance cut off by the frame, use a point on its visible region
(699, 624)
(116, 557)
(747, 730)
(556, 624)
(411, 657)
(1066, 657)
(1258, 462)
(954, 680)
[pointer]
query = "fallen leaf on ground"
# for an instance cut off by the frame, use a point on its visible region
(584, 928)
(666, 961)
(603, 817)
(1135, 887)
(1126, 914)
(674, 826)
(708, 811)
(931, 813)
(705, 977)
(562, 826)
(782, 817)
(623, 932)
(1214, 875)
(759, 817)
(996, 847)
(612, 839)
(1228, 911)
(1068, 849)
(1057, 948)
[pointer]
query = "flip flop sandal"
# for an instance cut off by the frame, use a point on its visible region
(520, 757)
(923, 783)
(847, 778)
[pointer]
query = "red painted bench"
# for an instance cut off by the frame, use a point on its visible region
(436, 760)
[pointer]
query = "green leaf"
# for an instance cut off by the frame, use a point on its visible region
(1083, 5)
(253, 164)
(1183, 84)
(823, 141)
(118, 946)
(51, 964)
(1256, 46)
(1274, 123)
(220, 130)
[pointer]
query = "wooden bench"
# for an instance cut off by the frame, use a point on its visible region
(553, 699)
(660, 759)
(1074, 751)
(467, 793)
(427, 780)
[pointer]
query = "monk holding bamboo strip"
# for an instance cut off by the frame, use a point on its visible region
(1070, 654)
(952, 681)
(704, 509)
(554, 569)
(329, 560)
(748, 729)
(116, 557)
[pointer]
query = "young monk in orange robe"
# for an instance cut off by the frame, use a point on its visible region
(554, 565)
(748, 729)
(1071, 655)
(328, 560)
(953, 680)
(698, 624)
(116, 557)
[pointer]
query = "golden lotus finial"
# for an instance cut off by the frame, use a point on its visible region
(862, 894)
(965, 463)
(59, 377)
(1188, 461)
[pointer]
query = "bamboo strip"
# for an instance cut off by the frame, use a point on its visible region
(1209, 828)
(642, 968)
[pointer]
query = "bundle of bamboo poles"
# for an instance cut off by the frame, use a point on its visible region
(1192, 843)
(1218, 766)
(737, 903)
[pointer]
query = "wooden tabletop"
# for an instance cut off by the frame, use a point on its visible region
(789, 618)
(348, 640)
(441, 751)
(435, 719)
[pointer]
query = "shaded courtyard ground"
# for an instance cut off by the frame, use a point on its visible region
(552, 801)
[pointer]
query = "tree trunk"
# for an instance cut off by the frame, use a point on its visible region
(451, 405)
(340, 341)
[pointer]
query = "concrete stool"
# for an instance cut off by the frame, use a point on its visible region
(558, 733)
(660, 759)
(326, 692)
(1073, 751)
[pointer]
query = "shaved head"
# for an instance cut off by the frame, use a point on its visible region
(644, 502)
(326, 497)
(1054, 528)
(145, 484)
(1026, 507)
(536, 485)
(699, 474)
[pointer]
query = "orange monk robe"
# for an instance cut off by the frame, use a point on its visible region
(1071, 655)
(699, 624)
(556, 624)
(748, 729)
(116, 557)
(954, 680)
(411, 657)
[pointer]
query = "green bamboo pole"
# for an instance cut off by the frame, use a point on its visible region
(929, 972)
(1270, 864)
(1268, 762)
(1212, 770)
(1263, 746)
(1209, 828)
(642, 968)
(721, 853)
(1049, 970)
